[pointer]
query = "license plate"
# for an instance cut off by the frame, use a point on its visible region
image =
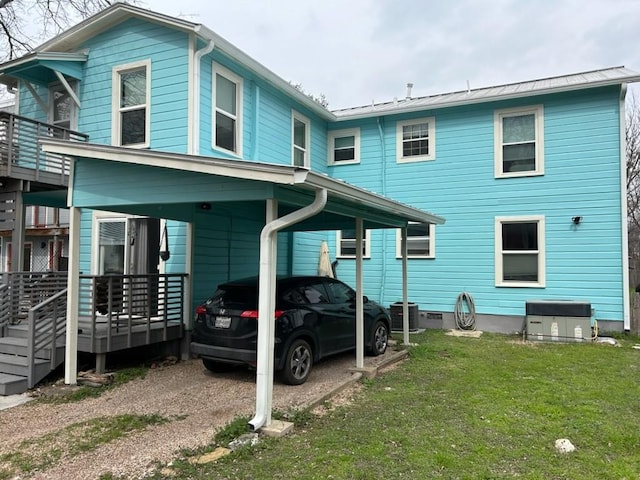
(223, 322)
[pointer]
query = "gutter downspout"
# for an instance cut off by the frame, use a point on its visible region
(266, 305)
(623, 206)
(195, 133)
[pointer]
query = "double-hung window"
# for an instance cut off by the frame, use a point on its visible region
(131, 102)
(227, 118)
(519, 143)
(346, 242)
(421, 242)
(344, 146)
(300, 134)
(416, 140)
(520, 253)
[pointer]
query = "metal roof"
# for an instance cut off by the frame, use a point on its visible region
(576, 81)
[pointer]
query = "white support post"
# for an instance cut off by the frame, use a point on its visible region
(405, 283)
(359, 297)
(73, 292)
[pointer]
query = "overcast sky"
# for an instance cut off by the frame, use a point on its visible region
(359, 51)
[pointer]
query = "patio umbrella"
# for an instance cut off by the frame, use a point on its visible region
(324, 262)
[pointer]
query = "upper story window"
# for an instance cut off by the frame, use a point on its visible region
(416, 140)
(346, 242)
(519, 144)
(62, 108)
(131, 104)
(227, 118)
(300, 135)
(343, 146)
(520, 252)
(421, 241)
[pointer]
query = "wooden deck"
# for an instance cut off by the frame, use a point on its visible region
(124, 333)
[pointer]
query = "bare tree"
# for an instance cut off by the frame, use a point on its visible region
(26, 23)
(632, 136)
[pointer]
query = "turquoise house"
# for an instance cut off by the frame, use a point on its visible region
(530, 177)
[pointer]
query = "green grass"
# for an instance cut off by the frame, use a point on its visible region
(42, 453)
(465, 408)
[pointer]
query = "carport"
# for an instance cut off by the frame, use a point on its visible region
(291, 199)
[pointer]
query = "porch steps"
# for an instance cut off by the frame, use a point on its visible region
(14, 365)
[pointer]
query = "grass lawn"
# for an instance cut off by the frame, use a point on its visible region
(466, 408)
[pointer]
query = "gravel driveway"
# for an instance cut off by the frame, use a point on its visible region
(198, 402)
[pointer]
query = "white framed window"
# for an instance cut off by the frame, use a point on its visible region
(520, 251)
(343, 146)
(227, 106)
(300, 140)
(416, 140)
(62, 108)
(131, 87)
(421, 240)
(519, 142)
(346, 242)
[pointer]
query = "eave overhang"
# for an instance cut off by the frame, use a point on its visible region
(356, 200)
(40, 67)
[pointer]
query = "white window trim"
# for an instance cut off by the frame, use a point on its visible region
(232, 77)
(347, 132)
(432, 243)
(73, 114)
(99, 217)
(367, 245)
(116, 138)
(432, 140)
(307, 152)
(498, 115)
(540, 220)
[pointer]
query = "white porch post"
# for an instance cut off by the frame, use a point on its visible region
(405, 282)
(359, 301)
(73, 290)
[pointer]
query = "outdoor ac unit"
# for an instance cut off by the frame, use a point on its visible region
(558, 320)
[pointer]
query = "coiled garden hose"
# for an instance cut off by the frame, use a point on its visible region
(465, 320)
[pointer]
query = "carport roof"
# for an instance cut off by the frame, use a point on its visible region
(293, 184)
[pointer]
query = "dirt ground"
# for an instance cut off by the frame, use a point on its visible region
(197, 401)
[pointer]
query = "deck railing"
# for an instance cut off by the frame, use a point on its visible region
(131, 303)
(47, 324)
(21, 156)
(25, 290)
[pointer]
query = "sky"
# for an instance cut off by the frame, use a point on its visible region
(356, 52)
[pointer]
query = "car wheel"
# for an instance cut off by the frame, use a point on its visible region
(216, 367)
(379, 339)
(298, 363)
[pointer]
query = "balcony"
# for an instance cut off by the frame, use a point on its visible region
(21, 157)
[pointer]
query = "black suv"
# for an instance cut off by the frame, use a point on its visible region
(315, 317)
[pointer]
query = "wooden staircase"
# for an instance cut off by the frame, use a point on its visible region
(33, 346)
(15, 365)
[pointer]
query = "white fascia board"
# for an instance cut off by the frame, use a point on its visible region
(280, 174)
(365, 197)
(277, 82)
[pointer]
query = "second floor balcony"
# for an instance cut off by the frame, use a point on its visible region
(21, 156)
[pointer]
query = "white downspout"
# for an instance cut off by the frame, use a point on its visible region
(266, 305)
(625, 219)
(195, 132)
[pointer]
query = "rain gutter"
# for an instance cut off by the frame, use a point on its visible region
(266, 304)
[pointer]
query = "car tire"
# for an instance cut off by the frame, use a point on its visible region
(217, 367)
(298, 363)
(379, 339)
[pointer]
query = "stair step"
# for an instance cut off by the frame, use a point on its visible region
(18, 365)
(12, 384)
(18, 331)
(13, 345)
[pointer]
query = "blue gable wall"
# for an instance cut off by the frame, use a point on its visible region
(582, 177)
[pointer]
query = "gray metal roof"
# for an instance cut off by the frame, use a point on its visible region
(576, 81)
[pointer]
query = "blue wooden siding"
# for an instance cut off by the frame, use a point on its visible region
(132, 41)
(582, 177)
